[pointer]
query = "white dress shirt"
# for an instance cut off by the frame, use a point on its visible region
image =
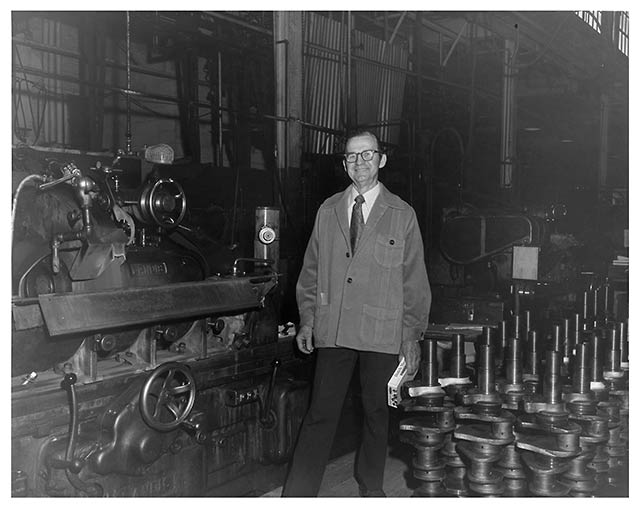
(369, 199)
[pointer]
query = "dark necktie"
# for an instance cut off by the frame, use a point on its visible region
(357, 222)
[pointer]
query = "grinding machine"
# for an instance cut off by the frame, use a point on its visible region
(146, 356)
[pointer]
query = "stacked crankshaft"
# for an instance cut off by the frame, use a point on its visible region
(540, 412)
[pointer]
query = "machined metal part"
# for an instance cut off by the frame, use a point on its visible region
(548, 433)
(432, 421)
(512, 388)
(548, 441)
(624, 346)
(428, 384)
(455, 483)
(616, 447)
(456, 380)
(551, 399)
(532, 363)
(485, 389)
(482, 433)
(483, 478)
(427, 432)
(581, 476)
(513, 472)
(546, 471)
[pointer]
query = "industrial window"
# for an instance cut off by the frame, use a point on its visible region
(591, 18)
(623, 32)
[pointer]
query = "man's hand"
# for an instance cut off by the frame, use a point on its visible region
(412, 354)
(304, 339)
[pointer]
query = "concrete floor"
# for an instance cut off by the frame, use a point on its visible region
(338, 481)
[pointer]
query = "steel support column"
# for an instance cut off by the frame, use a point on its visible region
(603, 149)
(288, 73)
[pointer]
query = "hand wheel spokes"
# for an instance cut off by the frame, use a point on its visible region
(167, 397)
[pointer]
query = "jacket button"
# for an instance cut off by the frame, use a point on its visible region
(348, 255)
(392, 242)
(349, 280)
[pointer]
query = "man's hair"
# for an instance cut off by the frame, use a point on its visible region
(362, 132)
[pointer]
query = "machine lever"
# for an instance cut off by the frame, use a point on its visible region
(267, 415)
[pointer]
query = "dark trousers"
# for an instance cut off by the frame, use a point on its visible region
(334, 368)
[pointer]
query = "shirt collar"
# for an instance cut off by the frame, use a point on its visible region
(369, 196)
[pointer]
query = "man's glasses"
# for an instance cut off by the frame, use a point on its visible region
(352, 157)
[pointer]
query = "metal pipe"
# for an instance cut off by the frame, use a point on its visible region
(231, 19)
(455, 43)
(128, 99)
(484, 93)
(220, 150)
(348, 94)
(107, 62)
(395, 30)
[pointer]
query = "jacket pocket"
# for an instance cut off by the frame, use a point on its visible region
(388, 250)
(379, 325)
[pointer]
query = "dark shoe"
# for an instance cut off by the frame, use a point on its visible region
(364, 493)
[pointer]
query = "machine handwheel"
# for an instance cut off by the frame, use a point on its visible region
(167, 396)
(164, 203)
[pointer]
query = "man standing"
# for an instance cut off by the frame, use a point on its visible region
(363, 296)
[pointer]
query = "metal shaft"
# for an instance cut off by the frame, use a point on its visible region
(487, 335)
(596, 358)
(552, 388)
(516, 326)
(580, 380)
(514, 361)
(556, 341)
(527, 323)
(429, 362)
(612, 354)
(533, 354)
(457, 362)
(486, 369)
(624, 342)
(567, 345)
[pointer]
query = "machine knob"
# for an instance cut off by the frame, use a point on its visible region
(267, 235)
(168, 334)
(69, 380)
(105, 343)
(216, 326)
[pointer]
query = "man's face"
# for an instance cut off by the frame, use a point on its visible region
(364, 174)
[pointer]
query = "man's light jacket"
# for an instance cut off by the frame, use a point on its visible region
(375, 298)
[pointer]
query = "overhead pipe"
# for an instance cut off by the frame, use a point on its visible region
(455, 43)
(128, 99)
